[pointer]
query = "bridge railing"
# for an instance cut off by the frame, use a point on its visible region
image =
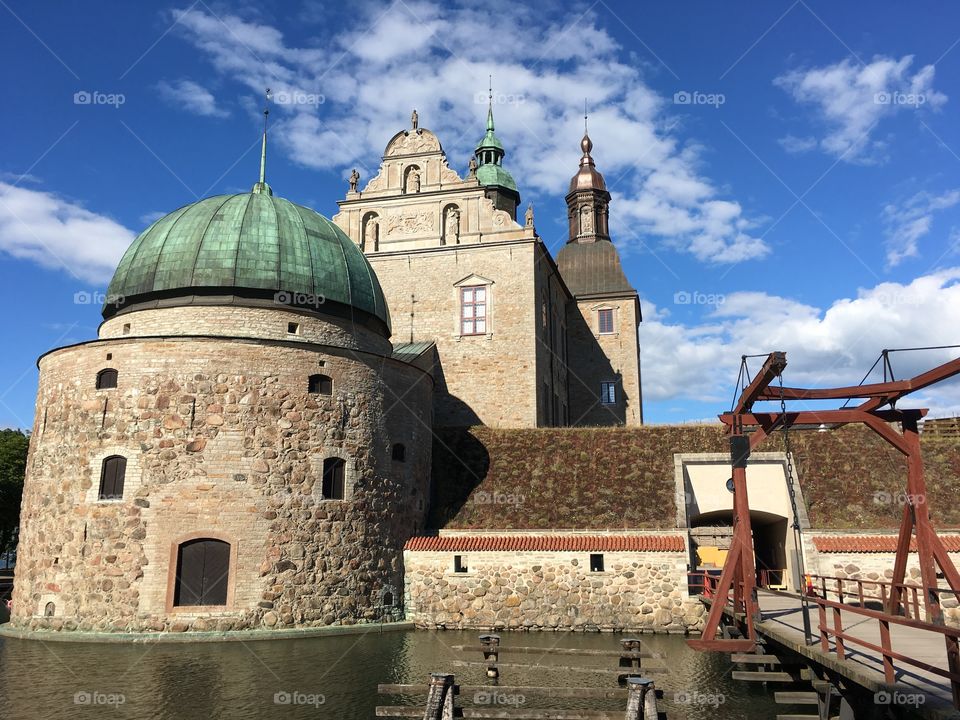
(841, 639)
(704, 582)
(864, 590)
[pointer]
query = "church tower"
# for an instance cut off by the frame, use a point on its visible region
(604, 382)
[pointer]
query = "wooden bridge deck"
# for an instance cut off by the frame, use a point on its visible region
(783, 623)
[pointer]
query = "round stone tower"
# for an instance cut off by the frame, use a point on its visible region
(238, 448)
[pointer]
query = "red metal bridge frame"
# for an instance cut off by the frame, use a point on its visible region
(739, 570)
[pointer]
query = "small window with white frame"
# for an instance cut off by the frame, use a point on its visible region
(608, 393)
(473, 310)
(605, 321)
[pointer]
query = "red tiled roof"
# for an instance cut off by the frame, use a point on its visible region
(873, 543)
(548, 543)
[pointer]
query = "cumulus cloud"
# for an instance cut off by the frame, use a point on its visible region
(851, 99)
(190, 96)
(908, 222)
(436, 57)
(59, 234)
(825, 346)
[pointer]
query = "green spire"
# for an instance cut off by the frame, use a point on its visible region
(489, 149)
(261, 186)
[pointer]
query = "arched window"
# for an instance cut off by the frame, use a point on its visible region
(49, 610)
(388, 599)
(203, 573)
(320, 385)
(112, 473)
(399, 452)
(333, 474)
(106, 379)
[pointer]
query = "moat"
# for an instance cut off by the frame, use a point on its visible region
(328, 677)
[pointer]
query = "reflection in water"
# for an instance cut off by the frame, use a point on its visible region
(335, 677)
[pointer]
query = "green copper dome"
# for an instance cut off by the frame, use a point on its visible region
(250, 248)
(489, 153)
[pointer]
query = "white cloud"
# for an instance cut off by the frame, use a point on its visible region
(912, 220)
(793, 144)
(851, 99)
(190, 96)
(437, 58)
(59, 234)
(825, 347)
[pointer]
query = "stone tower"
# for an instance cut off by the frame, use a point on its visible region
(230, 452)
(603, 319)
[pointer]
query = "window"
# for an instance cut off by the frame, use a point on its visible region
(459, 564)
(388, 599)
(112, 473)
(320, 385)
(333, 471)
(473, 310)
(49, 610)
(106, 379)
(608, 393)
(126, 328)
(605, 321)
(293, 328)
(399, 452)
(203, 572)
(596, 562)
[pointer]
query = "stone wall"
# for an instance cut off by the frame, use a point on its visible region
(637, 592)
(222, 441)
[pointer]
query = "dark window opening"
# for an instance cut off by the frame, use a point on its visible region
(399, 452)
(293, 328)
(126, 328)
(112, 474)
(605, 321)
(109, 356)
(608, 393)
(106, 379)
(459, 564)
(49, 609)
(596, 562)
(333, 473)
(388, 599)
(320, 385)
(203, 571)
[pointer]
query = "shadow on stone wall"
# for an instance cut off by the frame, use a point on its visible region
(465, 462)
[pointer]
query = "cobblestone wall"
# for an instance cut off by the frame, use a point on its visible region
(223, 441)
(636, 591)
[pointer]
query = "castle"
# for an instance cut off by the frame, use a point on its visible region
(271, 429)
(248, 440)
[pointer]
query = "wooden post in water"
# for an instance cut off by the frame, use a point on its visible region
(490, 645)
(439, 697)
(630, 660)
(641, 699)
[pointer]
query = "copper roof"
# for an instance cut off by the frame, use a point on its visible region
(587, 177)
(592, 268)
(873, 543)
(547, 543)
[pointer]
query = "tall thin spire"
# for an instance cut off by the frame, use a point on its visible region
(261, 185)
(490, 106)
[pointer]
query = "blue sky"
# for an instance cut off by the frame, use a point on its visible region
(784, 173)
